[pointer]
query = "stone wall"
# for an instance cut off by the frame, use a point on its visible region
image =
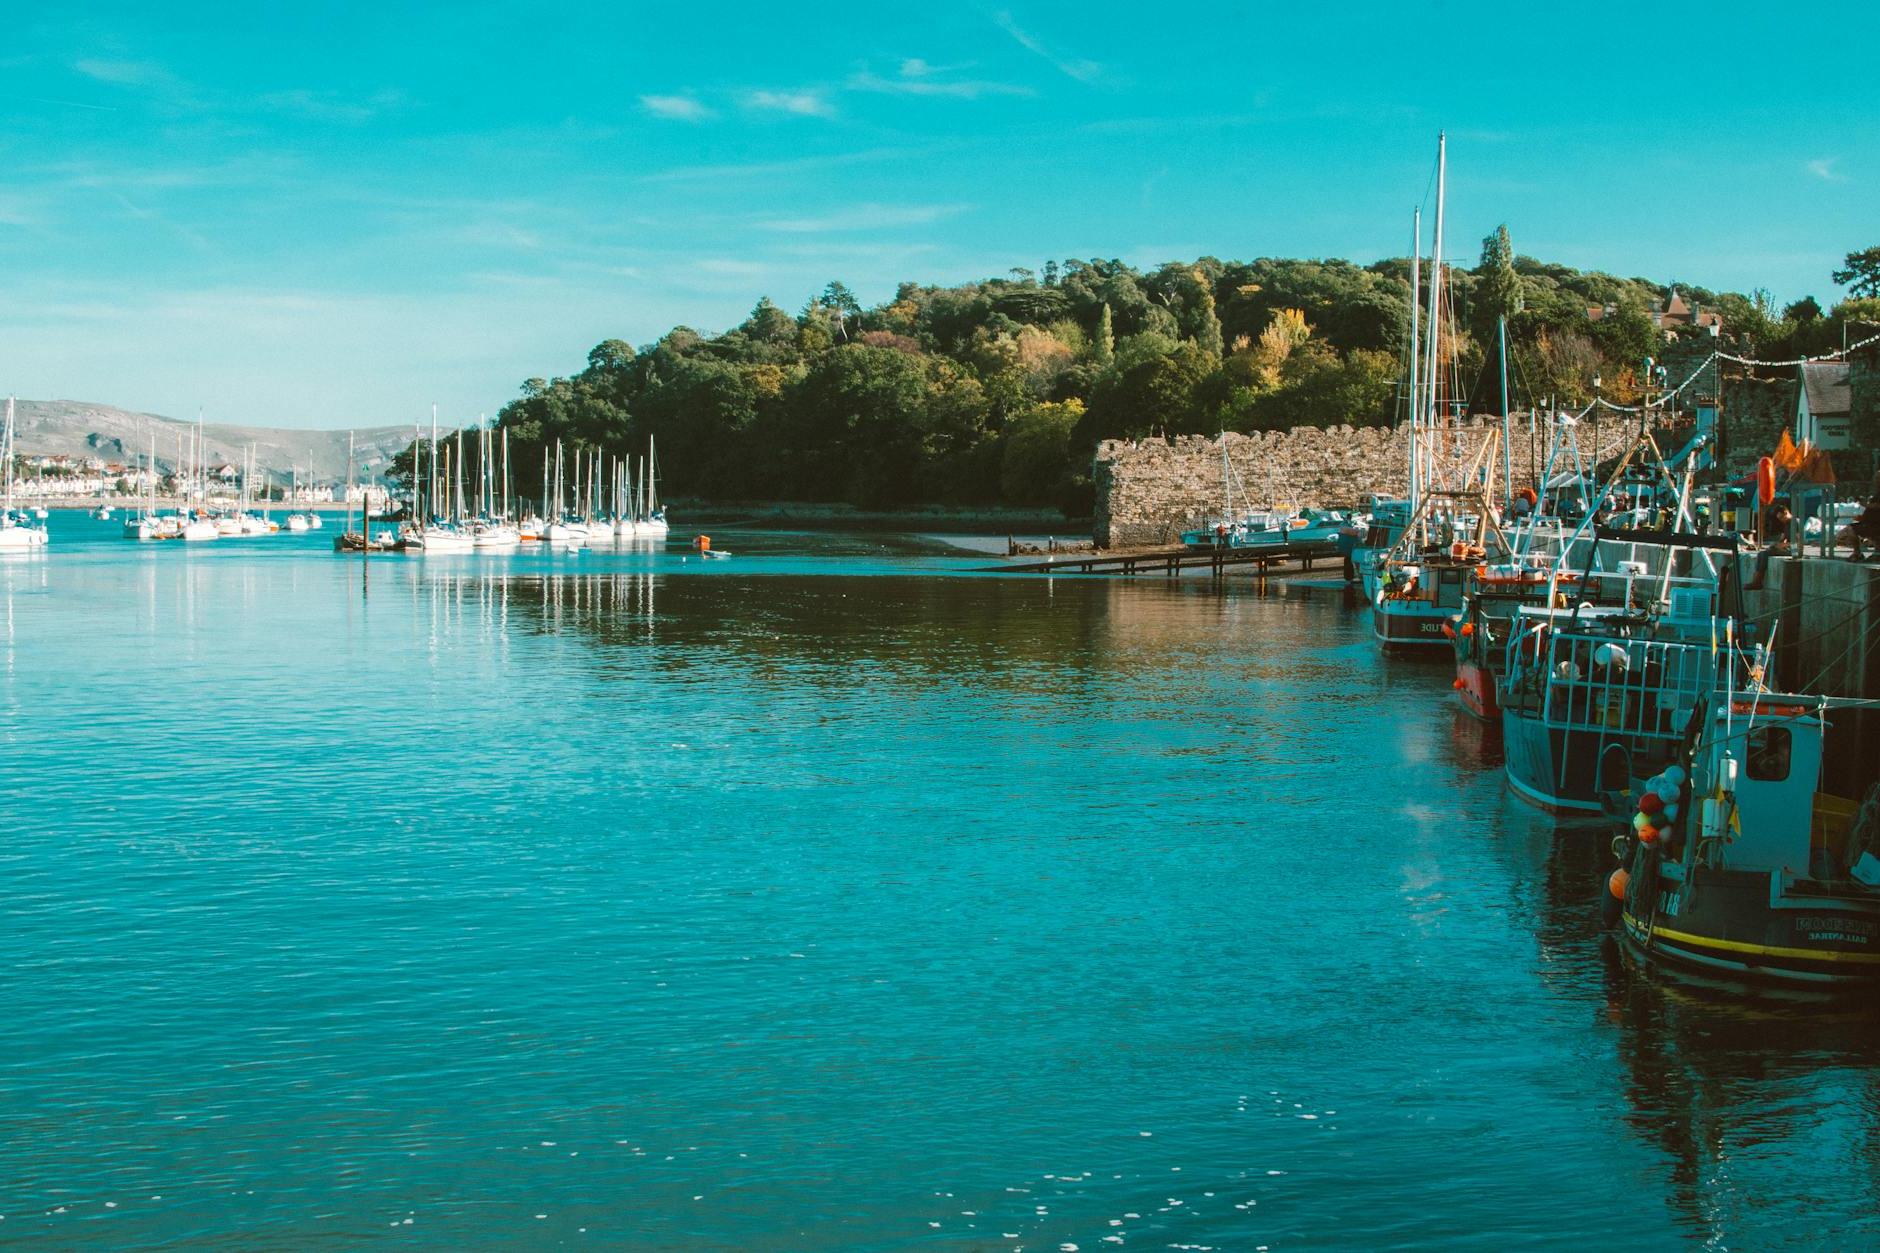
(1150, 491)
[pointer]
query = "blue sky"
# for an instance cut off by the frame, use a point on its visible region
(337, 214)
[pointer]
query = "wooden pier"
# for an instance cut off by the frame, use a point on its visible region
(1171, 562)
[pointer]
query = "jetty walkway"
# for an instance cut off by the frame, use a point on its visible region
(1171, 562)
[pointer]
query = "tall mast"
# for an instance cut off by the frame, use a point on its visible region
(1507, 451)
(1436, 280)
(1416, 346)
(6, 449)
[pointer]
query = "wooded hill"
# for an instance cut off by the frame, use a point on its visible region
(997, 391)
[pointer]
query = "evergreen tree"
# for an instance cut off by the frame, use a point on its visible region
(1208, 334)
(1498, 291)
(1105, 343)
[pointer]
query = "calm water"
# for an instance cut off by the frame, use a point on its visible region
(823, 898)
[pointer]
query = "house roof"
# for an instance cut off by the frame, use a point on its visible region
(1826, 385)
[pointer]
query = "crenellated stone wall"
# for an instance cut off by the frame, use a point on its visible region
(1150, 491)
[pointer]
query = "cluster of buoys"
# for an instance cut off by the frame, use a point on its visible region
(1658, 805)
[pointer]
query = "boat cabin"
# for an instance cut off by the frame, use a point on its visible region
(1757, 775)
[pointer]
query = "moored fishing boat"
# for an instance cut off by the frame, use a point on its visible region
(1736, 863)
(1598, 692)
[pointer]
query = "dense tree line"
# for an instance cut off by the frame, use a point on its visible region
(998, 391)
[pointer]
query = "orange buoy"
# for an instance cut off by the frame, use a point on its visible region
(1458, 684)
(1618, 883)
(1467, 628)
(702, 542)
(1765, 480)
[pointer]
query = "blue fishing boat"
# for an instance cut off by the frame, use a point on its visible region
(1735, 862)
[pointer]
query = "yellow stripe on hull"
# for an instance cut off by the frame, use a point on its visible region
(1648, 934)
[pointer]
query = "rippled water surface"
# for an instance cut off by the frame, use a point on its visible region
(827, 897)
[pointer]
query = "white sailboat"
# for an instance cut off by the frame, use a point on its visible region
(17, 534)
(296, 521)
(653, 522)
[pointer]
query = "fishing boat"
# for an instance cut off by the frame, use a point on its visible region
(1537, 569)
(1600, 682)
(1423, 582)
(17, 532)
(1736, 863)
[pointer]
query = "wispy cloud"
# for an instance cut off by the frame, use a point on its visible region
(737, 269)
(797, 165)
(1079, 68)
(917, 78)
(677, 108)
(322, 106)
(125, 73)
(865, 217)
(800, 103)
(1823, 168)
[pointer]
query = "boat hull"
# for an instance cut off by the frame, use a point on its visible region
(1551, 767)
(1730, 924)
(1475, 688)
(1409, 627)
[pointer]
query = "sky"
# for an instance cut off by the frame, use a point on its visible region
(330, 214)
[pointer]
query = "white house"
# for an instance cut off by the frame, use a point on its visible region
(1824, 406)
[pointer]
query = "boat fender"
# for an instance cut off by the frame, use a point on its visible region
(1765, 480)
(1611, 906)
(1617, 882)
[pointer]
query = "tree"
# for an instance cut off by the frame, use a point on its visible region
(1208, 335)
(1807, 309)
(1861, 276)
(1498, 290)
(1037, 466)
(839, 300)
(1105, 342)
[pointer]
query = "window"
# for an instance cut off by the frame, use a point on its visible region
(1769, 754)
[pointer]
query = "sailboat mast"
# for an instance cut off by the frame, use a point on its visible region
(1436, 279)
(6, 449)
(1507, 449)
(1416, 350)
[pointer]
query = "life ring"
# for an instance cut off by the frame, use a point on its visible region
(1765, 480)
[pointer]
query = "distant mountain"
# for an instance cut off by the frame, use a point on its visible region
(76, 428)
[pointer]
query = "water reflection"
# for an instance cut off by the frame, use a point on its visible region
(734, 885)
